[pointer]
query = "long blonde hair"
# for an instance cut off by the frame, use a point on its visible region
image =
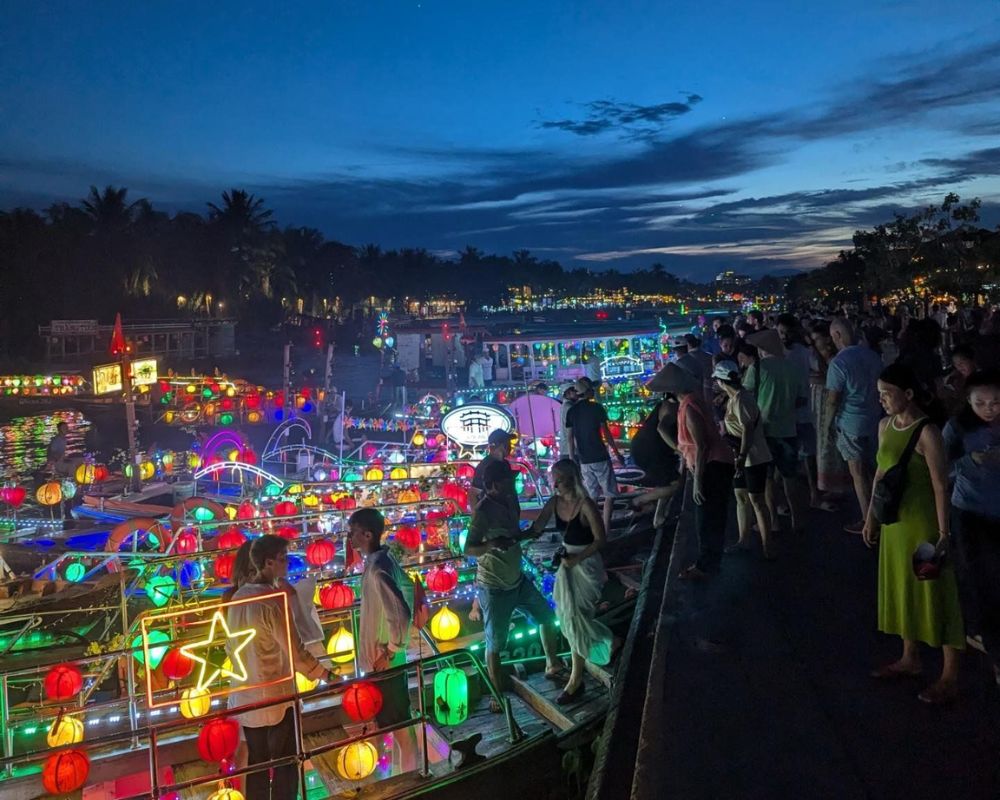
(568, 469)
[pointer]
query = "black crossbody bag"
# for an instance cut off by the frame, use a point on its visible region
(888, 492)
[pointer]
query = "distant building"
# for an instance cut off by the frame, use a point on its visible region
(730, 281)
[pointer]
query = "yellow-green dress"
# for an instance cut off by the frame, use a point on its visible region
(922, 611)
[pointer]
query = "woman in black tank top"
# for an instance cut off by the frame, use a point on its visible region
(581, 575)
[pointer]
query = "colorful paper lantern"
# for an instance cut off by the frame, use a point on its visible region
(85, 473)
(304, 684)
(158, 646)
(49, 494)
(218, 739)
(65, 771)
(195, 703)
(229, 539)
(362, 701)
(287, 532)
(63, 682)
(75, 572)
(65, 731)
(374, 474)
(310, 501)
(408, 537)
(186, 542)
(285, 509)
(246, 510)
(408, 496)
(176, 665)
(356, 761)
(320, 552)
(159, 589)
(341, 646)
(336, 595)
(442, 579)
(223, 566)
(68, 489)
(345, 503)
(465, 471)
(398, 474)
(451, 696)
(445, 625)
(226, 793)
(13, 495)
(101, 472)
(147, 470)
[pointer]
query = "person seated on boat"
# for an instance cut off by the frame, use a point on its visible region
(270, 731)
(500, 443)
(580, 577)
(493, 540)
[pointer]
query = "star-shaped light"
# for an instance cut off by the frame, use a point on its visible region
(236, 670)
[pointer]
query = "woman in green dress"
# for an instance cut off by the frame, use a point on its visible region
(917, 611)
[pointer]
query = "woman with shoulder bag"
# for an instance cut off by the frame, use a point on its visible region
(910, 507)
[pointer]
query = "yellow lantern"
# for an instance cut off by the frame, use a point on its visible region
(398, 474)
(445, 625)
(418, 440)
(169, 417)
(209, 409)
(195, 703)
(356, 761)
(231, 512)
(146, 470)
(296, 488)
(84, 473)
(310, 501)
(304, 684)
(341, 646)
(409, 496)
(68, 730)
(191, 388)
(226, 793)
(49, 494)
(374, 474)
(193, 461)
(253, 417)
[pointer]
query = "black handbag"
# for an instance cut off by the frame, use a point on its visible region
(888, 492)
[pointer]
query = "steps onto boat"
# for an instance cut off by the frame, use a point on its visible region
(540, 694)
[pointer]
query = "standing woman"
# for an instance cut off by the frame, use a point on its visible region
(832, 475)
(972, 442)
(917, 611)
(581, 574)
(745, 432)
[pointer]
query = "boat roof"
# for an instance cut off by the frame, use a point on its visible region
(536, 332)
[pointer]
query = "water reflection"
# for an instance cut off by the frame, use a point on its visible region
(24, 440)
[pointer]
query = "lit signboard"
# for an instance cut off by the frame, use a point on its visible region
(144, 371)
(108, 379)
(471, 425)
(621, 367)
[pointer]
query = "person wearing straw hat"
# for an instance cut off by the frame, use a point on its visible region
(709, 460)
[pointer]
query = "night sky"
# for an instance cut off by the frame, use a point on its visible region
(746, 135)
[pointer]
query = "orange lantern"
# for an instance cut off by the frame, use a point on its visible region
(49, 494)
(65, 771)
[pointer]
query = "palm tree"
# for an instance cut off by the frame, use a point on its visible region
(241, 213)
(109, 210)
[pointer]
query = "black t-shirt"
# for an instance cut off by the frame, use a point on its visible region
(479, 482)
(585, 420)
(653, 455)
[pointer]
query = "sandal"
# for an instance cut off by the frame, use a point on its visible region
(565, 698)
(938, 695)
(557, 675)
(890, 672)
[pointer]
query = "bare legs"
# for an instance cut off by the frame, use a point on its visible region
(944, 688)
(862, 477)
(749, 506)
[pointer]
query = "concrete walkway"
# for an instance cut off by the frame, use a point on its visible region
(765, 690)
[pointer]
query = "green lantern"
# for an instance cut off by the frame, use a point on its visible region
(203, 514)
(451, 696)
(159, 590)
(157, 648)
(75, 572)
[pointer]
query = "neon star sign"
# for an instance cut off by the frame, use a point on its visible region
(208, 672)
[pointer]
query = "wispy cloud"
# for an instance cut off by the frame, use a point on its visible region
(628, 119)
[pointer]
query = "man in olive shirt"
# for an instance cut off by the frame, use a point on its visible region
(493, 540)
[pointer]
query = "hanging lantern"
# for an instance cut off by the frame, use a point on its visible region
(408, 496)
(159, 589)
(65, 771)
(13, 495)
(195, 703)
(285, 508)
(75, 572)
(186, 542)
(465, 471)
(226, 793)
(158, 646)
(304, 684)
(63, 682)
(341, 646)
(336, 595)
(418, 439)
(445, 625)
(451, 696)
(85, 473)
(246, 510)
(356, 761)
(362, 701)
(49, 494)
(176, 665)
(188, 573)
(65, 731)
(218, 739)
(374, 474)
(310, 501)
(287, 532)
(147, 470)
(223, 566)
(68, 489)
(398, 474)
(408, 537)
(320, 552)
(230, 539)
(442, 579)
(100, 473)
(345, 503)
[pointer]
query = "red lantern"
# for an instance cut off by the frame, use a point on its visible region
(408, 537)
(218, 739)
(187, 542)
(249, 456)
(285, 508)
(345, 504)
(13, 495)
(320, 552)
(287, 532)
(65, 771)
(230, 538)
(442, 579)
(63, 682)
(362, 701)
(336, 595)
(466, 471)
(246, 510)
(100, 473)
(224, 566)
(176, 666)
(452, 491)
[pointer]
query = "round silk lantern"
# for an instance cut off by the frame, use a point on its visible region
(451, 696)
(304, 684)
(442, 579)
(356, 761)
(226, 793)
(362, 701)
(466, 471)
(224, 566)
(336, 595)
(101, 473)
(195, 703)
(186, 542)
(374, 474)
(218, 739)
(49, 494)
(285, 509)
(229, 539)
(408, 537)
(310, 501)
(65, 771)
(159, 589)
(445, 625)
(287, 532)
(345, 503)
(398, 474)
(68, 489)
(409, 496)
(246, 510)
(320, 552)
(64, 731)
(63, 682)
(13, 495)
(341, 646)
(176, 665)
(85, 473)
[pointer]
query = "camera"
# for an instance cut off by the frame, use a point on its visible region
(558, 556)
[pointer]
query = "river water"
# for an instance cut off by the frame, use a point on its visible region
(24, 441)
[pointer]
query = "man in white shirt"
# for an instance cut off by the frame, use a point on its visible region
(270, 731)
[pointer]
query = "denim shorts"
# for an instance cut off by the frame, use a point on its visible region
(857, 448)
(498, 605)
(784, 455)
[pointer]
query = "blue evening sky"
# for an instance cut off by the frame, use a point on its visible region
(751, 135)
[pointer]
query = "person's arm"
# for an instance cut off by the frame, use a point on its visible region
(543, 517)
(570, 438)
(396, 612)
(696, 430)
(872, 527)
(931, 447)
(663, 429)
(476, 544)
(653, 495)
(303, 661)
(589, 512)
(606, 431)
(835, 384)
